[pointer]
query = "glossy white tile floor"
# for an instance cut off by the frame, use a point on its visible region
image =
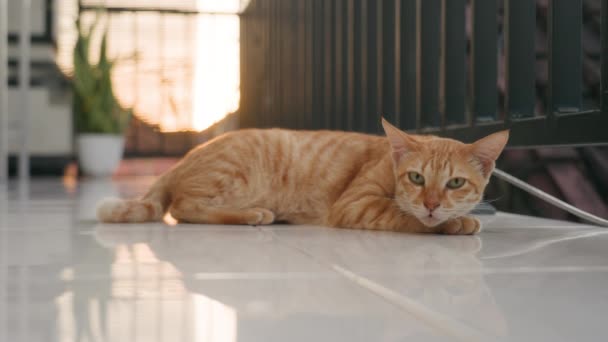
(65, 278)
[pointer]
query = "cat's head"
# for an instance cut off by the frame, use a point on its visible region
(438, 179)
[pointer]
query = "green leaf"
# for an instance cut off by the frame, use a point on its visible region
(95, 108)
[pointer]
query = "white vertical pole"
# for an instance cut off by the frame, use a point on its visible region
(3, 166)
(3, 91)
(4, 280)
(24, 89)
(4, 243)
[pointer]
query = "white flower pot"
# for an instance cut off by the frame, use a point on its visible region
(100, 154)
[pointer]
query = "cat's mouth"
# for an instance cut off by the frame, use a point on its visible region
(430, 220)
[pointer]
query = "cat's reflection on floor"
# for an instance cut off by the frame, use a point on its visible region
(442, 273)
(269, 277)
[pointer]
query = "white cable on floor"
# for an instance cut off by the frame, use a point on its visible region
(550, 199)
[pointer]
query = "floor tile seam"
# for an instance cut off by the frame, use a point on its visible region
(494, 271)
(211, 276)
(273, 275)
(539, 245)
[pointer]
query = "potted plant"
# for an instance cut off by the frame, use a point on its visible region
(100, 120)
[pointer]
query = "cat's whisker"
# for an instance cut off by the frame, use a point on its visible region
(488, 201)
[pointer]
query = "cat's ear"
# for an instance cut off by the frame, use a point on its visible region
(400, 141)
(487, 150)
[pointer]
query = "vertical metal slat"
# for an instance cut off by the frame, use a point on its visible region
(268, 100)
(308, 70)
(350, 65)
(374, 68)
(374, 54)
(299, 71)
(604, 58)
(408, 69)
(520, 24)
(328, 101)
(428, 62)
(271, 33)
(389, 71)
(484, 60)
(361, 44)
(397, 61)
(282, 47)
(565, 56)
(338, 63)
(453, 74)
(379, 109)
(318, 66)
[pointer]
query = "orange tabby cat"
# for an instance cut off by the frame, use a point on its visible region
(401, 182)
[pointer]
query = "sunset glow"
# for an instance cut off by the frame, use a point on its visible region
(180, 72)
(216, 73)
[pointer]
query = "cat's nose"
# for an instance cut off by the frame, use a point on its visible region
(431, 204)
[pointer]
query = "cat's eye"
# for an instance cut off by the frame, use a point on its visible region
(455, 183)
(416, 178)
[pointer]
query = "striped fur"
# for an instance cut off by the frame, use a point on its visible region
(337, 179)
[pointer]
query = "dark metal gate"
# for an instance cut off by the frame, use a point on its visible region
(452, 67)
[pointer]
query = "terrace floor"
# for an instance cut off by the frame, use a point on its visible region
(63, 277)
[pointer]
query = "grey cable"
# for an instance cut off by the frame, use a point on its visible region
(550, 199)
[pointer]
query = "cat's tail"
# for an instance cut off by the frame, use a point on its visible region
(149, 208)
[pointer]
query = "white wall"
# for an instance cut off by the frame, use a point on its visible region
(37, 16)
(50, 119)
(50, 125)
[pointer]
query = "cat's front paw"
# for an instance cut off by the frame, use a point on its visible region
(465, 225)
(260, 216)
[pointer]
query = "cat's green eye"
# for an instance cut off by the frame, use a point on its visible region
(455, 183)
(416, 178)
